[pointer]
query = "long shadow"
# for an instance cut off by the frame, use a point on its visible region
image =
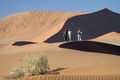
(91, 46)
(56, 71)
(21, 43)
(92, 25)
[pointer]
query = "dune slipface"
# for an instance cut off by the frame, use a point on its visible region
(92, 25)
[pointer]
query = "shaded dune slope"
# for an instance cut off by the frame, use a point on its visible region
(92, 46)
(92, 25)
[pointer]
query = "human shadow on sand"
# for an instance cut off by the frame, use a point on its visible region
(92, 46)
(21, 43)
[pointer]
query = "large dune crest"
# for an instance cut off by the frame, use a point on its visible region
(92, 25)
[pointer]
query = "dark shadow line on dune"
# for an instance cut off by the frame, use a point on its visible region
(92, 46)
(21, 43)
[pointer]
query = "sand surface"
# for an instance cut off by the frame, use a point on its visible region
(32, 25)
(111, 38)
(57, 57)
(37, 26)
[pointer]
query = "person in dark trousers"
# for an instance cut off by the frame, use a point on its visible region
(65, 35)
(79, 35)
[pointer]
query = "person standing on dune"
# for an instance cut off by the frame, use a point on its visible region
(65, 35)
(79, 35)
(69, 35)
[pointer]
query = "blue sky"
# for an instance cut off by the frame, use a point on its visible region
(8, 7)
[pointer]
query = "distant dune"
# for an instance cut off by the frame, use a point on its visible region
(110, 38)
(92, 25)
(108, 35)
(32, 25)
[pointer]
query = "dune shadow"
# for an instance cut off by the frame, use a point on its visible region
(21, 43)
(92, 46)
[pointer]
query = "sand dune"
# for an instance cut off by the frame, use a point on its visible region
(19, 30)
(92, 25)
(32, 25)
(108, 35)
(111, 38)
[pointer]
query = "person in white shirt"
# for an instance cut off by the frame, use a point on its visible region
(79, 35)
(69, 35)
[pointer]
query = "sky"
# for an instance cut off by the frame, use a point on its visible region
(8, 7)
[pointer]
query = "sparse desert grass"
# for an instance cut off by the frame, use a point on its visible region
(34, 64)
(16, 72)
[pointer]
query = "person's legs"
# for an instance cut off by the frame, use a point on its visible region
(69, 37)
(78, 37)
(66, 38)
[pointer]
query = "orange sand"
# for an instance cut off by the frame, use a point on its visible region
(38, 26)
